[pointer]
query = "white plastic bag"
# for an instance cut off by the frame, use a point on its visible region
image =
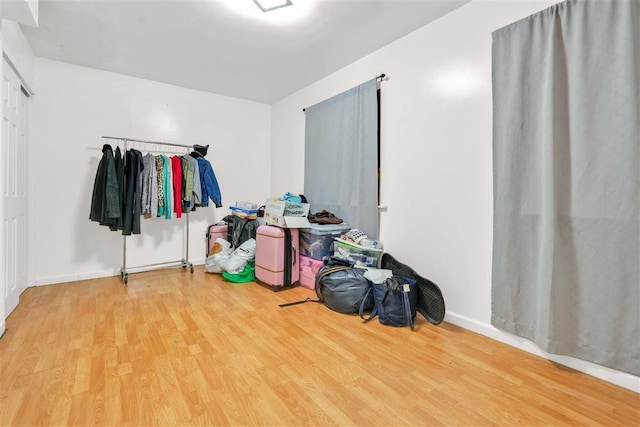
(220, 252)
(238, 259)
(378, 275)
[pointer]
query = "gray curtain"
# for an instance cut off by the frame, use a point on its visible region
(341, 157)
(566, 250)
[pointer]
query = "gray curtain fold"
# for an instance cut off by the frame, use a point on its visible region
(341, 157)
(566, 153)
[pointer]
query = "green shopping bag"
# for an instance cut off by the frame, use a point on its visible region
(246, 275)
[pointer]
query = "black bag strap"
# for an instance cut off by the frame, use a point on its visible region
(374, 312)
(407, 307)
(287, 304)
(287, 257)
(240, 224)
(401, 284)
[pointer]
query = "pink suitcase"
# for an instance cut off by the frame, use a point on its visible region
(214, 232)
(308, 269)
(277, 259)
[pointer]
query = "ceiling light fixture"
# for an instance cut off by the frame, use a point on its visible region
(268, 5)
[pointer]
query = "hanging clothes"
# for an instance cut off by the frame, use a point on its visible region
(160, 177)
(119, 162)
(131, 185)
(197, 191)
(105, 200)
(133, 196)
(149, 187)
(167, 187)
(187, 185)
(208, 182)
(176, 169)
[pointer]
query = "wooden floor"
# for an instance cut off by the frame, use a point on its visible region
(173, 348)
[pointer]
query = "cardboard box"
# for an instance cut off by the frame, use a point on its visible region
(274, 215)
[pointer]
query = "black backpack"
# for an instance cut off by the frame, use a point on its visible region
(239, 230)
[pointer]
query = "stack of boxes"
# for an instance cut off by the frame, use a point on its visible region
(316, 244)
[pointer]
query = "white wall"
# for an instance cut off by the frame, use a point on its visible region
(436, 133)
(22, 11)
(18, 51)
(73, 107)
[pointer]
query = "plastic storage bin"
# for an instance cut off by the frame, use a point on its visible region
(317, 242)
(363, 257)
(245, 210)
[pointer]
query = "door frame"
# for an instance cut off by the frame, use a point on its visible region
(2, 236)
(26, 89)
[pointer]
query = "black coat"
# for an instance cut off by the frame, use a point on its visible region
(132, 207)
(105, 201)
(119, 225)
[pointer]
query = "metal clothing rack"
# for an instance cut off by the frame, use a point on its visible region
(184, 263)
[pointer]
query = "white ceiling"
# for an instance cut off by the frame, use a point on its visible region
(226, 47)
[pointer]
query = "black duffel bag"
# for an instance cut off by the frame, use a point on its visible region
(343, 288)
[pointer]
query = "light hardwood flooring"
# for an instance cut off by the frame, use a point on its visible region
(174, 348)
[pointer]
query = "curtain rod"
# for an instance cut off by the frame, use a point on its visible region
(148, 141)
(380, 77)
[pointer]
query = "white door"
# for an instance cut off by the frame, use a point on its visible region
(14, 168)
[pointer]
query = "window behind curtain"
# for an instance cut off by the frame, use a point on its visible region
(341, 157)
(566, 185)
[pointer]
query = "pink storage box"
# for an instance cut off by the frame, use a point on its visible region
(308, 269)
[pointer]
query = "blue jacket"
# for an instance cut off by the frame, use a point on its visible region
(208, 183)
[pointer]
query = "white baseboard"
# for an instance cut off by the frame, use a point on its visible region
(622, 379)
(99, 274)
(52, 280)
(3, 327)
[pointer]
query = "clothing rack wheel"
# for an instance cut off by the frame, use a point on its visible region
(124, 276)
(186, 264)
